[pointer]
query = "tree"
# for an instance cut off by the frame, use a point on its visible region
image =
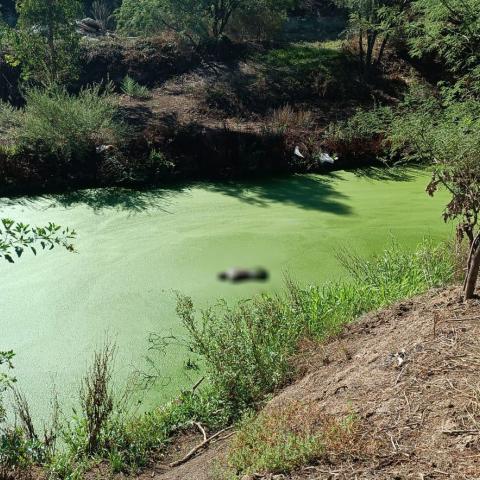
(45, 42)
(450, 30)
(198, 20)
(446, 135)
(373, 22)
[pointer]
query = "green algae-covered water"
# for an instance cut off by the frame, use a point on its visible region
(136, 249)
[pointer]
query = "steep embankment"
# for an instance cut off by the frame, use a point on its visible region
(407, 375)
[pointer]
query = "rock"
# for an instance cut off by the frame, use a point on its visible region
(89, 26)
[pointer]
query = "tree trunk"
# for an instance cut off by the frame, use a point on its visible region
(360, 48)
(382, 50)
(473, 269)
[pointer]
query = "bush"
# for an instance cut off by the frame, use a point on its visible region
(133, 89)
(66, 126)
(364, 134)
(246, 348)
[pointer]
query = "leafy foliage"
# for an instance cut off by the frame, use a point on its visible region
(450, 30)
(6, 362)
(66, 126)
(372, 22)
(45, 42)
(133, 89)
(17, 237)
(198, 20)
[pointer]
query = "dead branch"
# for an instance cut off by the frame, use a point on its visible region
(194, 450)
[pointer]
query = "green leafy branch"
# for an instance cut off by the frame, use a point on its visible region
(17, 237)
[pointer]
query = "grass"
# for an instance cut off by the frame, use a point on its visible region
(280, 440)
(308, 69)
(133, 89)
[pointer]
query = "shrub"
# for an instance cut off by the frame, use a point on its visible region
(133, 89)
(282, 439)
(364, 134)
(286, 118)
(66, 126)
(246, 348)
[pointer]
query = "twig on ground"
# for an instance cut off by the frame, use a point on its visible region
(204, 433)
(461, 432)
(194, 450)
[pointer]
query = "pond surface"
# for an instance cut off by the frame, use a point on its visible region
(135, 249)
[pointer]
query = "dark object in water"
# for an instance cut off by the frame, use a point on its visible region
(235, 275)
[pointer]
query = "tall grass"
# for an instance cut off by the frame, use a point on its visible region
(246, 348)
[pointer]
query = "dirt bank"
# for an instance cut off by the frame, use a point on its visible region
(409, 374)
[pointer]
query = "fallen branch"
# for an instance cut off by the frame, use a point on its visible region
(465, 319)
(194, 450)
(461, 432)
(197, 384)
(204, 433)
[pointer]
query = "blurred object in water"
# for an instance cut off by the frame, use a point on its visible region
(236, 275)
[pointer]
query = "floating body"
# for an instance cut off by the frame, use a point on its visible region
(236, 275)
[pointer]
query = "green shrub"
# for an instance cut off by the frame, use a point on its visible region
(68, 126)
(133, 89)
(246, 348)
(365, 133)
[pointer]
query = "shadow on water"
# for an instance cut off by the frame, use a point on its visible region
(310, 192)
(394, 174)
(99, 199)
(120, 199)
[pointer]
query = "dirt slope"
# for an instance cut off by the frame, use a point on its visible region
(410, 374)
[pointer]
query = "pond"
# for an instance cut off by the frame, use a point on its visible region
(135, 249)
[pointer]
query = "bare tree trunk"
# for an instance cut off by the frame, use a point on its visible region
(360, 48)
(382, 50)
(473, 269)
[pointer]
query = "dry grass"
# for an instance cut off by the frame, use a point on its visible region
(287, 118)
(292, 435)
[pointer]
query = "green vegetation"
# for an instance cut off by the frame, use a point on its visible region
(242, 367)
(307, 69)
(64, 133)
(286, 439)
(246, 348)
(45, 42)
(197, 20)
(402, 84)
(133, 89)
(17, 237)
